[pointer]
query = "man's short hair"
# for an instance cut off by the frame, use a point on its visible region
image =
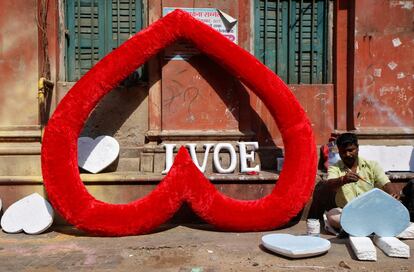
(346, 139)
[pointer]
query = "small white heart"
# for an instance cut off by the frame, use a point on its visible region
(31, 214)
(295, 246)
(96, 155)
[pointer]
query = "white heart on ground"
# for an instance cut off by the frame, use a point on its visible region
(32, 214)
(95, 155)
(295, 246)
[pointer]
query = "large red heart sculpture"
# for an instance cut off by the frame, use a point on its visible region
(184, 181)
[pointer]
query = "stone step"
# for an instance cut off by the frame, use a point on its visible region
(128, 165)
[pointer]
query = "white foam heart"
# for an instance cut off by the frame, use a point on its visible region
(295, 246)
(375, 212)
(96, 155)
(408, 233)
(31, 214)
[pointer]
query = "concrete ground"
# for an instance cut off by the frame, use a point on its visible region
(176, 248)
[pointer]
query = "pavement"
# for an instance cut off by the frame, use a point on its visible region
(178, 248)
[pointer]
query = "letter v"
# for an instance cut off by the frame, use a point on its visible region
(193, 154)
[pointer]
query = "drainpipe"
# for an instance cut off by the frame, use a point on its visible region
(44, 89)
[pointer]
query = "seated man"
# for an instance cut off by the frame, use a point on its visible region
(348, 178)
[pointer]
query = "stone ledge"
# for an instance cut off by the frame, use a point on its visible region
(20, 148)
(395, 175)
(132, 177)
(20, 134)
(187, 135)
(392, 175)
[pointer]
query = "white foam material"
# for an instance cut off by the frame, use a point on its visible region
(366, 214)
(390, 158)
(392, 247)
(295, 246)
(1, 208)
(408, 233)
(95, 155)
(363, 248)
(227, 17)
(31, 214)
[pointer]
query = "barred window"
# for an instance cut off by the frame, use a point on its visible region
(291, 38)
(94, 28)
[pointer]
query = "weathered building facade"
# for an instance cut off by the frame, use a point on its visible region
(349, 63)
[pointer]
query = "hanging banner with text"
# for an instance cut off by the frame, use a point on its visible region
(215, 18)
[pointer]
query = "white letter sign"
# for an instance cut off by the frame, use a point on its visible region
(216, 158)
(244, 156)
(169, 151)
(194, 155)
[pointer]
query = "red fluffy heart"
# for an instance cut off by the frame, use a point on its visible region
(184, 182)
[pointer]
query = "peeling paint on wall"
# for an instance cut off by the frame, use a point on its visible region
(377, 72)
(384, 95)
(392, 65)
(407, 4)
(210, 101)
(19, 65)
(400, 75)
(396, 42)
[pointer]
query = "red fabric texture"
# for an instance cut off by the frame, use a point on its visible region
(184, 181)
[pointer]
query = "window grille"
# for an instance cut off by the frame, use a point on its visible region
(96, 27)
(291, 38)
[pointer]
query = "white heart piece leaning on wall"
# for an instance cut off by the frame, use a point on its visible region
(95, 155)
(32, 214)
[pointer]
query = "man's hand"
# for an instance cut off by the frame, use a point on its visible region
(393, 190)
(350, 177)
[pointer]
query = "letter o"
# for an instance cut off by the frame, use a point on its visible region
(216, 158)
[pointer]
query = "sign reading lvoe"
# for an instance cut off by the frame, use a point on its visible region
(245, 156)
